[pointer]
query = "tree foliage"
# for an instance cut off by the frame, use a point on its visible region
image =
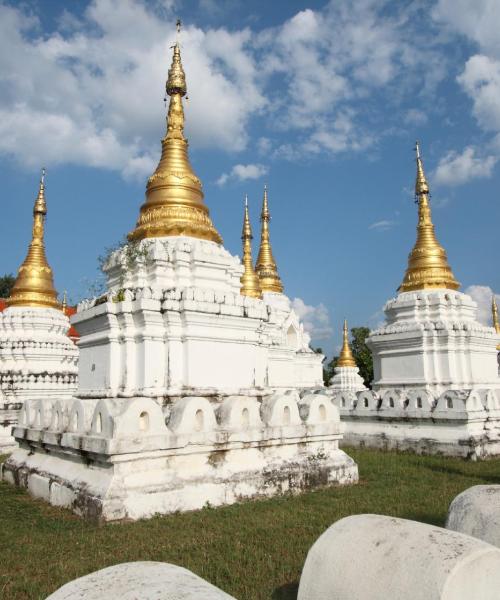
(6, 283)
(362, 356)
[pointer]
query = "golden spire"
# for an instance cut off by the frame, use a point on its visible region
(174, 197)
(427, 263)
(64, 304)
(496, 321)
(250, 285)
(34, 285)
(346, 359)
(266, 265)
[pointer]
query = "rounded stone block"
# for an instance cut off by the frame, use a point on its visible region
(420, 402)
(393, 401)
(144, 580)
(476, 512)
(372, 557)
(367, 401)
(80, 415)
(315, 409)
(280, 410)
(141, 416)
(192, 414)
(240, 412)
(344, 400)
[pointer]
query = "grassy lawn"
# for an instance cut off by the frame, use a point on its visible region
(251, 550)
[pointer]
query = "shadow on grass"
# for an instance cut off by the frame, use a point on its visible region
(286, 592)
(450, 470)
(429, 518)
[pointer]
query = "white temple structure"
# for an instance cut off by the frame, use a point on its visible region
(37, 359)
(436, 385)
(195, 373)
(346, 376)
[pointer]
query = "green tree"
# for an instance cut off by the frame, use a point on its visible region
(6, 283)
(362, 356)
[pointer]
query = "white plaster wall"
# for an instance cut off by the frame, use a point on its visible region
(431, 339)
(201, 334)
(129, 458)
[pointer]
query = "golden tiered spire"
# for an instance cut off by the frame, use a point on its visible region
(266, 265)
(34, 285)
(427, 263)
(346, 359)
(174, 197)
(250, 285)
(496, 321)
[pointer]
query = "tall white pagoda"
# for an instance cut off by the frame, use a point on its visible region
(37, 359)
(195, 375)
(436, 386)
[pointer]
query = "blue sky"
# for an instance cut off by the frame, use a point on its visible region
(321, 100)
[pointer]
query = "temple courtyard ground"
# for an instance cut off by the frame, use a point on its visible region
(253, 550)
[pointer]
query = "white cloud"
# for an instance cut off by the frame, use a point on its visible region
(482, 294)
(383, 225)
(478, 20)
(243, 172)
(415, 116)
(316, 319)
(92, 93)
(457, 169)
(480, 80)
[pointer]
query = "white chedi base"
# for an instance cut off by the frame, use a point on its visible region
(188, 394)
(174, 322)
(432, 340)
(464, 423)
(132, 458)
(347, 379)
(37, 360)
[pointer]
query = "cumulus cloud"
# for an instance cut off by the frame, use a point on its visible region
(482, 294)
(383, 225)
(480, 78)
(91, 93)
(242, 173)
(457, 169)
(477, 20)
(316, 319)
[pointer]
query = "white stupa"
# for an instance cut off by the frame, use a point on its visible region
(195, 374)
(346, 376)
(436, 386)
(37, 359)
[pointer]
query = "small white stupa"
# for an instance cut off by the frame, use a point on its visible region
(37, 359)
(195, 374)
(436, 386)
(346, 377)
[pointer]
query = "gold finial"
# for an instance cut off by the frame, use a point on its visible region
(496, 321)
(64, 304)
(346, 359)
(427, 263)
(494, 310)
(250, 285)
(34, 285)
(266, 265)
(174, 197)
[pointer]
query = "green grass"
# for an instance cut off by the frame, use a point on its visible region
(251, 550)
